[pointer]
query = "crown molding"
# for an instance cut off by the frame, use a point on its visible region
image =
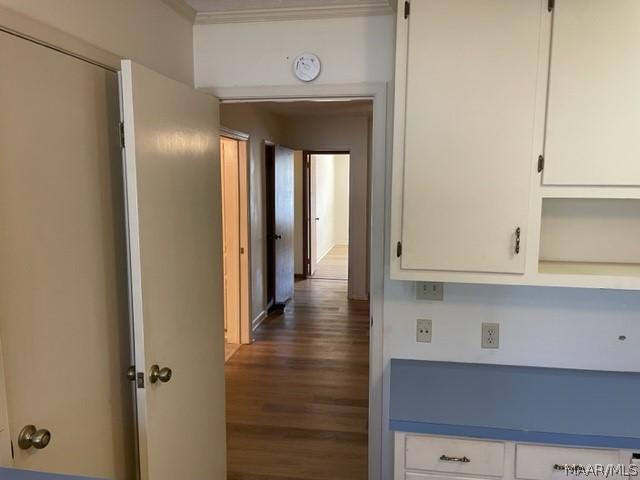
(297, 13)
(182, 8)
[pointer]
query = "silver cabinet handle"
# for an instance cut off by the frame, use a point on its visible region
(163, 374)
(446, 458)
(31, 437)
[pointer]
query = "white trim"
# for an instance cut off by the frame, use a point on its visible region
(35, 31)
(233, 134)
(256, 322)
(379, 163)
(182, 8)
(325, 253)
(294, 13)
(133, 247)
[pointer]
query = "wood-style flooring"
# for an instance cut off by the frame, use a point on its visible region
(297, 399)
(334, 265)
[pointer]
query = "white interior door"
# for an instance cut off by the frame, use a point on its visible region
(313, 214)
(175, 240)
(593, 119)
(63, 286)
(470, 111)
(284, 224)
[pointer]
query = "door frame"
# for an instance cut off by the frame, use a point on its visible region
(306, 203)
(242, 138)
(379, 236)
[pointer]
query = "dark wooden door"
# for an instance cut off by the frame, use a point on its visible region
(284, 218)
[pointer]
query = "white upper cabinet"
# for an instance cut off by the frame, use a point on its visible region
(467, 117)
(593, 125)
(516, 155)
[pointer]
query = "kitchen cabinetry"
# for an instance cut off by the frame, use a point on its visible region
(516, 160)
(424, 457)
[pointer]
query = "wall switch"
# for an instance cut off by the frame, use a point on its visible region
(429, 291)
(423, 330)
(490, 335)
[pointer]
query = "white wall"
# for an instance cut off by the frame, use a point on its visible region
(332, 202)
(349, 134)
(341, 193)
(261, 126)
(352, 50)
(539, 326)
(146, 31)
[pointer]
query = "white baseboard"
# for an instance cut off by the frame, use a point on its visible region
(255, 323)
(325, 253)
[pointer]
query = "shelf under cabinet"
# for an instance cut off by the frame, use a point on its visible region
(590, 268)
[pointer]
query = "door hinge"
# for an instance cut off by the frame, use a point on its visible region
(407, 9)
(121, 134)
(540, 163)
(399, 249)
(551, 5)
(371, 322)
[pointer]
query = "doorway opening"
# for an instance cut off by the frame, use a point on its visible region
(303, 384)
(326, 213)
(235, 239)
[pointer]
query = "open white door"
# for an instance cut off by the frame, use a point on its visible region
(172, 171)
(313, 216)
(284, 219)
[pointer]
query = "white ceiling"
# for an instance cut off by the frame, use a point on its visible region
(204, 6)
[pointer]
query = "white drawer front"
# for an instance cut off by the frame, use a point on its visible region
(453, 455)
(537, 462)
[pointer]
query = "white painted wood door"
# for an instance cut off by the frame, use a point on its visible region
(470, 110)
(174, 215)
(63, 286)
(593, 120)
(313, 214)
(229, 162)
(284, 220)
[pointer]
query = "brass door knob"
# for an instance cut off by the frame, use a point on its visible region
(163, 374)
(31, 437)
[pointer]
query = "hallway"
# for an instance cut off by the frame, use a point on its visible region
(334, 265)
(297, 399)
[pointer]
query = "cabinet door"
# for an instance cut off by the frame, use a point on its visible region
(593, 123)
(470, 105)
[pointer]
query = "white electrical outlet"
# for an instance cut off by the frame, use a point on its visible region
(429, 291)
(490, 335)
(423, 330)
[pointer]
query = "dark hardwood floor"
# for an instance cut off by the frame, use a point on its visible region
(297, 399)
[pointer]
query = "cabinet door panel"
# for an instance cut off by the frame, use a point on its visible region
(593, 123)
(470, 110)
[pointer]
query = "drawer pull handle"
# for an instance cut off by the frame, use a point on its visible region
(570, 467)
(445, 458)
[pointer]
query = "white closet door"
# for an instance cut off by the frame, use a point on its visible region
(63, 288)
(593, 124)
(174, 212)
(470, 108)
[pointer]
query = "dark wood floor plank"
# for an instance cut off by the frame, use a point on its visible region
(297, 399)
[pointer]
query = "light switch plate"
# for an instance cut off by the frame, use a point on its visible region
(423, 330)
(429, 291)
(490, 335)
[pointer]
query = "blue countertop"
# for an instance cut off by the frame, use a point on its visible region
(16, 474)
(543, 405)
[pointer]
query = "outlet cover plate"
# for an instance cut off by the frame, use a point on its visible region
(430, 291)
(423, 330)
(490, 335)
